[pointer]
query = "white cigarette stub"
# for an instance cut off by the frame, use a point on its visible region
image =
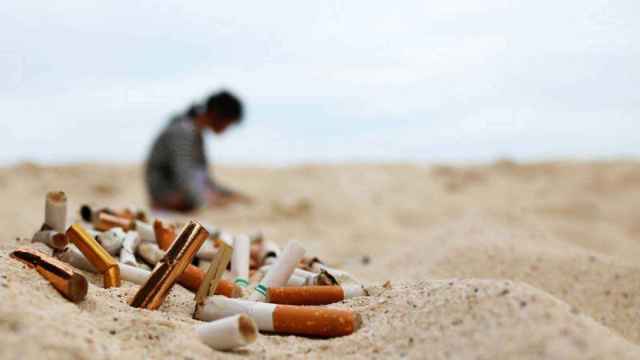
(129, 245)
(72, 256)
(228, 333)
(240, 260)
(133, 274)
(145, 231)
(111, 240)
(151, 253)
(296, 281)
(279, 274)
(218, 307)
(269, 252)
(55, 211)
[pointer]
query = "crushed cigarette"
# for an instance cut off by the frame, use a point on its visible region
(150, 253)
(129, 245)
(111, 240)
(70, 284)
(96, 254)
(228, 333)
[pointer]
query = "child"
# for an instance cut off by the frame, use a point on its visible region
(177, 173)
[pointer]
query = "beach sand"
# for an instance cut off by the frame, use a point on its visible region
(503, 261)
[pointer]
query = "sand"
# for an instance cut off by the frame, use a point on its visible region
(503, 261)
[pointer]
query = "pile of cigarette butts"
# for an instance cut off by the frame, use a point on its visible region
(265, 289)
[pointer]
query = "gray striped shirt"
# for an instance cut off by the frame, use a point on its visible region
(178, 165)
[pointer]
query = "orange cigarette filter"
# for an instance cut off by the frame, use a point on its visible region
(164, 234)
(315, 321)
(306, 295)
(193, 276)
(70, 284)
(105, 221)
(96, 254)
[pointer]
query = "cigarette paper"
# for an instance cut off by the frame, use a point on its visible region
(134, 274)
(51, 238)
(164, 234)
(240, 260)
(96, 254)
(314, 295)
(145, 231)
(104, 221)
(279, 273)
(228, 333)
(129, 245)
(178, 257)
(111, 240)
(55, 211)
(151, 253)
(296, 281)
(70, 284)
(72, 256)
(284, 319)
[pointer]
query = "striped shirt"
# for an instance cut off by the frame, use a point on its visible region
(178, 165)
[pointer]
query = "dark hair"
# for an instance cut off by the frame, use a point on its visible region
(225, 105)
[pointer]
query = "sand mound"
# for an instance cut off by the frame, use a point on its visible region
(498, 262)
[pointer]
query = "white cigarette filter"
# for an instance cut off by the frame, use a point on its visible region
(129, 245)
(145, 231)
(55, 211)
(279, 274)
(133, 274)
(72, 256)
(240, 260)
(151, 253)
(51, 238)
(111, 240)
(228, 333)
(304, 278)
(283, 319)
(207, 251)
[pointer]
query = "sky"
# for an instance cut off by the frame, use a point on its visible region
(331, 81)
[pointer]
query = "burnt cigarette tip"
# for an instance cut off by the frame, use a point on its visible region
(248, 328)
(86, 213)
(78, 287)
(57, 196)
(60, 240)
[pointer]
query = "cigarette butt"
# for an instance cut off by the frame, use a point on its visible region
(51, 238)
(229, 333)
(193, 276)
(240, 260)
(151, 253)
(284, 319)
(178, 257)
(72, 256)
(341, 277)
(280, 272)
(104, 221)
(70, 284)
(129, 246)
(133, 274)
(269, 253)
(145, 231)
(296, 281)
(111, 240)
(314, 295)
(164, 234)
(95, 253)
(55, 211)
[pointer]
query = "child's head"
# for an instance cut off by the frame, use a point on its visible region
(222, 110)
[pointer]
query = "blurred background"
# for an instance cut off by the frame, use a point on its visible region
(331, 82)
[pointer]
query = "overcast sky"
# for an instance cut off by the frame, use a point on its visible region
(324, 81)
